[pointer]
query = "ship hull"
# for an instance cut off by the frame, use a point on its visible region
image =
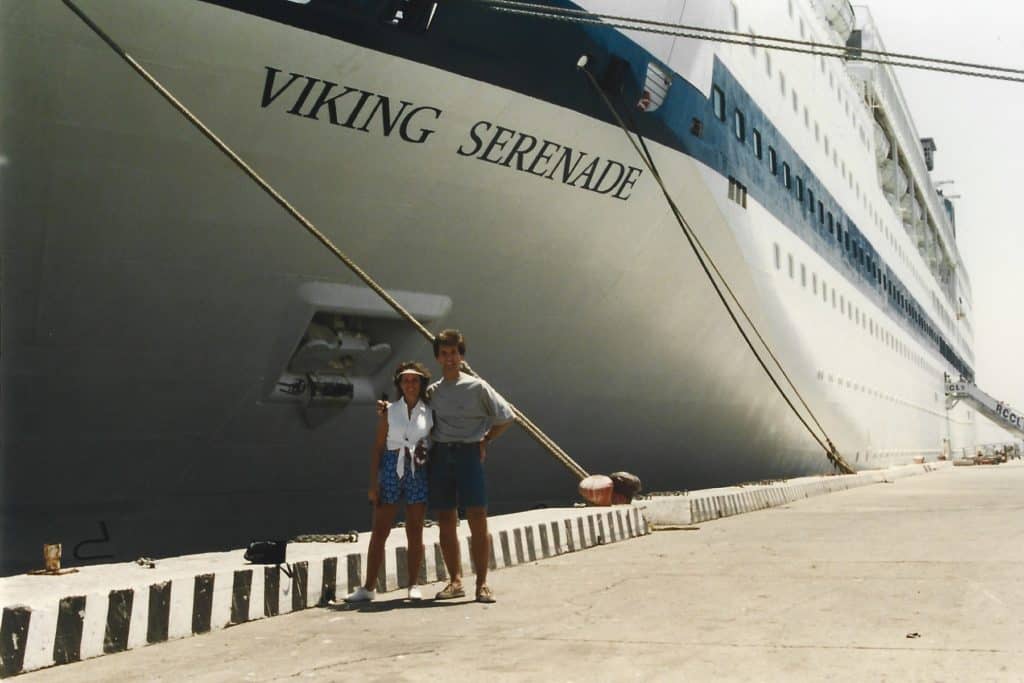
(153, 294)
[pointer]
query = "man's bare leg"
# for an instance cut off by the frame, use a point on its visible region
(447, 520)
(480, 542)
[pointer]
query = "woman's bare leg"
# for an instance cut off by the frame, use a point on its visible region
(414, 516)
(383, 520)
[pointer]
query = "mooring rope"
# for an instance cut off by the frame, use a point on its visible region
(704, 258)
(539, 436)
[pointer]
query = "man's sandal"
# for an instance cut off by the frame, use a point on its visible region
(450, 591)
(485, 594)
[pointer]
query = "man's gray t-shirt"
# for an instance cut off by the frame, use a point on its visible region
(464, 409)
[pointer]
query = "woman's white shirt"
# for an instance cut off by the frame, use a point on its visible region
(405, 430)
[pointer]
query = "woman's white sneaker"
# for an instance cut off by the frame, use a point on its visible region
(360, 595)
(414, 593)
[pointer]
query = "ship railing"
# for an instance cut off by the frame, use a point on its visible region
(881, 79)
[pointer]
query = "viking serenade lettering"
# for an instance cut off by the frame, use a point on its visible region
(485, 141)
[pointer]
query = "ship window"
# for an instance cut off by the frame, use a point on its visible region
(839, 234)
(790, 263)
(718, 102)
(656, 86)
(737, 192)
(768, 63)
(803, 275)
(830, 222)
(782, 83)
(814, 282)
(821, 212)
(826, 145)
(847, 236)
(735, 17)
(799, 189)
(778, 259)
(773, 161)
(758, 151)
(787, 178)
(740, 125)
(796, 103)
(833, 297)
(824, 292)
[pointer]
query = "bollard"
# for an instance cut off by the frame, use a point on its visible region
(51, 562)
(51, 557)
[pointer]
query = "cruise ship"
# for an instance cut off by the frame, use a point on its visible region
(184, 368)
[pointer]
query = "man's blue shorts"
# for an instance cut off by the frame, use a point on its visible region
(456, 476)
(412, 487)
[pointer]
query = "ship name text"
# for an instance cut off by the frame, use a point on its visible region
(364, 111)
(350, 107)
(528, 154)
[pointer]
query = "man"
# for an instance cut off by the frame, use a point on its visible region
(468, 415)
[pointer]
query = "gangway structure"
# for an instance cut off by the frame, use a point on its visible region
(1000, 413)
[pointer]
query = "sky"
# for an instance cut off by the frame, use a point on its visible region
(978, 126)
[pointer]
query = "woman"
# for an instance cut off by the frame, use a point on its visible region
(398, 471)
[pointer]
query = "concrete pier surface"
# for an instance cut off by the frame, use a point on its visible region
(918, 579)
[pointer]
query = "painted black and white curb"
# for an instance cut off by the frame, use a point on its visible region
(59, 629)
(696, 507)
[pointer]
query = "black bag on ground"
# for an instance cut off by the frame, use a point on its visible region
(266, 552)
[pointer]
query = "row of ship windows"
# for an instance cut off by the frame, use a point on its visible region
(826, 220)
(877, 393)
(795, 184)
(789, 179)
(849, 310)
(833, 81)
(834, 84)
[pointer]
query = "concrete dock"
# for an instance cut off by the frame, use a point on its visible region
(917, 579)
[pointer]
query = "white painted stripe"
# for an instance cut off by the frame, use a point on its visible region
(42, 626)
(257, 601)
(140, 617)
(95, 624)
(180, 622)
(220, 610)
(315, 582)
(284, 594)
